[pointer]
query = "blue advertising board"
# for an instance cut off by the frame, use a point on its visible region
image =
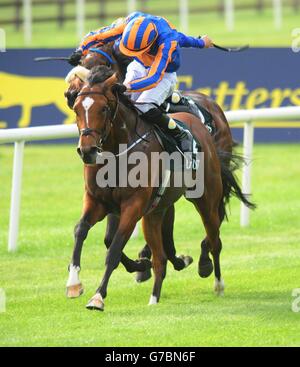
(31, 93)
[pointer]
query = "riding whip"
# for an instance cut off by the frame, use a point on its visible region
(48, 58)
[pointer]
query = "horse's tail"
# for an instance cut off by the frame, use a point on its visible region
(229, 164)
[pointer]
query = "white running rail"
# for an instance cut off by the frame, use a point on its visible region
(21, 135)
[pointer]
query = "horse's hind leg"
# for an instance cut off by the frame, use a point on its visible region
(142, 265)
(205, 265)
(179, 262)
(143, 276)
(152, 227)
(211, 220)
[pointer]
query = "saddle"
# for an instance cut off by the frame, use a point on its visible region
(189, 161)
(179, 103)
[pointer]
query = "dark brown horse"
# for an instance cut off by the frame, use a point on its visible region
(105, 119)
(222, 139)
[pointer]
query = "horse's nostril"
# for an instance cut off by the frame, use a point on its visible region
(93, 150)
(79, 151)
(88, 154)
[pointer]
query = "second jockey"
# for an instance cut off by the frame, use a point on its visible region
(154, 44)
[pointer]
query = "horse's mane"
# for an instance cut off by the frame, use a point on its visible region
(99, 74)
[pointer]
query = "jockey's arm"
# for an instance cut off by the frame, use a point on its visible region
(107, 34)
(188, 41)
(157, 70)
(102, 35)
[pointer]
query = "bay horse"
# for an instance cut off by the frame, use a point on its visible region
(109, 55)
(110, 120)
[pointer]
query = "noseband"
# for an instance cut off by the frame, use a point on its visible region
(110, 118)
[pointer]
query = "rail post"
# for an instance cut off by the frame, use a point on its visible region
(27, 16)
(131, 6)
(80, 17)
(15, 196)
(277, 9)
(229, 14)
(246, 180)
(184, 15)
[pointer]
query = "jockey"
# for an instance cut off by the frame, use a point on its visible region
(154, 44)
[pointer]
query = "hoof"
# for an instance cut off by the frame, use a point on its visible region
(206, 269)
(144, 264)
(153, 300)
(145, 273)
(187, 260)
(96, 303)
(219, 287)
(143, 276)
(74, 291)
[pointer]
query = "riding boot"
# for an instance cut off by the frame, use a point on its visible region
(182, 137)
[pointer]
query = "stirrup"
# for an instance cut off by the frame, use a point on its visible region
(183, 138)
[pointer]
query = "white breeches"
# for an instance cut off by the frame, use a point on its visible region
(156, 95)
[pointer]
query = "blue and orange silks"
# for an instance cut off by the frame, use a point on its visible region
(151, 40)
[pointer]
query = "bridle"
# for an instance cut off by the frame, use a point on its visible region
(109, 60)
(108, 123)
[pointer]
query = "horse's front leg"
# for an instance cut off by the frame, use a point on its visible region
(142, 265)
(92, 213)
(130, 214)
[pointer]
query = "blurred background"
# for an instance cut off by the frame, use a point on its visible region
(61, 23)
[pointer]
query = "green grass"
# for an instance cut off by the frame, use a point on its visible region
(260, 265)
(253, 27)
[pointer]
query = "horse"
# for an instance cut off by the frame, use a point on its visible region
(109, 55)
(105, 119)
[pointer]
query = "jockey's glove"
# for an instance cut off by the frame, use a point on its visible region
(119, 88)
(75, 57)
(208, 43)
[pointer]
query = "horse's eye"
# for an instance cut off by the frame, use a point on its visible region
(104, 109)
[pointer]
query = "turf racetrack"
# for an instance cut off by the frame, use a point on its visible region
(260, 265)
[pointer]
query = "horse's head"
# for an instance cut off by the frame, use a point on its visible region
(109, 55)
(96, 107)
(101, 54)
(78, 75)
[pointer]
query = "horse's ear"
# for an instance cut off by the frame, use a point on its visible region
(111, 81)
